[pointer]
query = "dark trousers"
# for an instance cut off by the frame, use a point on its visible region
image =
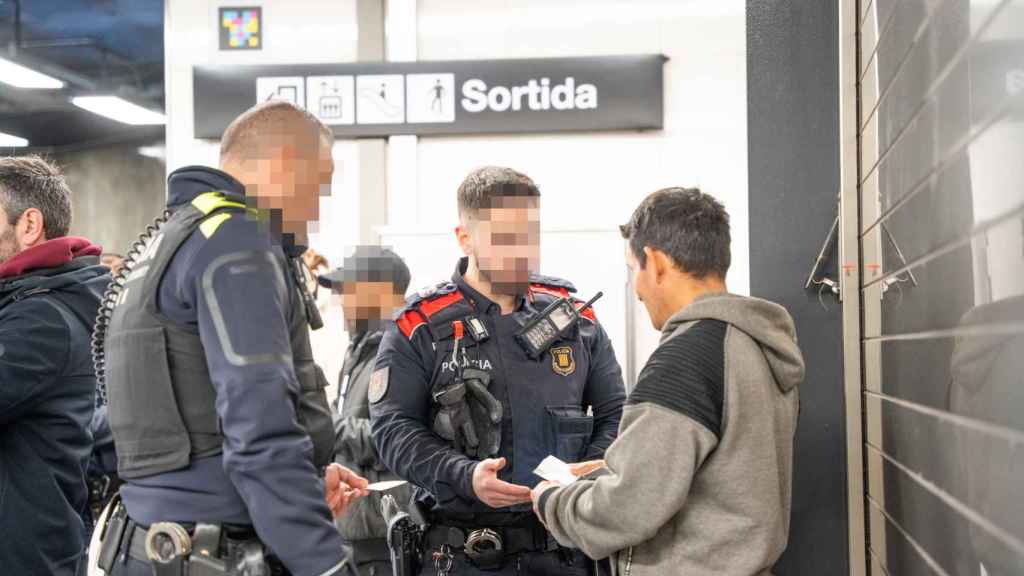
(372, 557)
(374, 568)
(555, 563)
(131, 568)
(134, 567)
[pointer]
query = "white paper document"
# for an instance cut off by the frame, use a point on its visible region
(385, 486)
(555, 470)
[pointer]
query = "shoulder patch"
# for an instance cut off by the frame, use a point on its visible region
(687, 374)
(379, 384)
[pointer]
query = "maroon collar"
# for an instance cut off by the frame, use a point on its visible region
(50, 254)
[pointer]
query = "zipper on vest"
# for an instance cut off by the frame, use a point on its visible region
(30, 292)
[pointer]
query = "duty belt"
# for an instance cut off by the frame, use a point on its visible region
(488, 547)
(179, 549)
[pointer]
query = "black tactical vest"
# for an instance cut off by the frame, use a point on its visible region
(161, 399)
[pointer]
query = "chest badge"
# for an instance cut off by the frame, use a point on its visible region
(562, 360)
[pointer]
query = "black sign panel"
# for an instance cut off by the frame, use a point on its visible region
(456, 97)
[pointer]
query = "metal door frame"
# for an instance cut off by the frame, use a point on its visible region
(850, 261)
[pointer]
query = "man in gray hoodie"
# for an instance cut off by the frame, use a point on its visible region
(699, 480)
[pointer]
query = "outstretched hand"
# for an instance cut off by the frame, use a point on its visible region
(493, 492)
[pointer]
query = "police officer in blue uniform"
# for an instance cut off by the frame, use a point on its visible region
(220, 421)
(461, 410)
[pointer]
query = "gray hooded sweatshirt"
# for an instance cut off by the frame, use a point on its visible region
(699, 480)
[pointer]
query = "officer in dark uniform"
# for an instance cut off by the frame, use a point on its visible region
(220, 421)
(371, 285)
(461, 410)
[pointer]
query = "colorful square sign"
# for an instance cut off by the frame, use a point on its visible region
(241, 28)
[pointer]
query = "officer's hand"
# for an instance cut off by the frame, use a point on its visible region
(583, 468)
(535, 495)
(493, 492)
(343, 487)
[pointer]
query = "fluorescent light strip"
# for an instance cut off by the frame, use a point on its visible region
(20, 77)
(8, 141)
(119, 109)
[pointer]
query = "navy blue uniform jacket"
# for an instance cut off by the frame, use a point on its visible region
(265, 475)
(546, 402)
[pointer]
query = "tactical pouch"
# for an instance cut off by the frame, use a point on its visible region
(454, 421)
(569, 431)
(313, 411)
(486, 411)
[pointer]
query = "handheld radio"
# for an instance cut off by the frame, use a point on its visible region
(537, 335)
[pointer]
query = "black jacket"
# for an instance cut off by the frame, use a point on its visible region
(354, 446)
(47, 396)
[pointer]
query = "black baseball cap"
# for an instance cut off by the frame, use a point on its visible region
(369, 264)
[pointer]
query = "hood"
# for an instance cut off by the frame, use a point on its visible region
(184, 184)
(769, 324)
(81, 276)
(974, 354)
(48, 255)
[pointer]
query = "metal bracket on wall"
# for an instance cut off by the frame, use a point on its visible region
(832, 284)
(824, 281)
(898, 279)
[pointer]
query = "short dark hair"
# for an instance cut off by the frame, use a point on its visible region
(483, 185)
(33, 182)
(691, 227)
(259, 124)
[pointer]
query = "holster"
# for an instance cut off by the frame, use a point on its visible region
(405, 539)
(111, 535)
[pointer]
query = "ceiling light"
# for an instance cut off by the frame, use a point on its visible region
(20, 77)
(119, 109)
(8, 141)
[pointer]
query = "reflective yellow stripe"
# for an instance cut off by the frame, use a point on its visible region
(211, 201)
(210, 225)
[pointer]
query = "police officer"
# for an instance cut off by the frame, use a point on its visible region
(220, 423)
(461, 410)
(371, 285)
